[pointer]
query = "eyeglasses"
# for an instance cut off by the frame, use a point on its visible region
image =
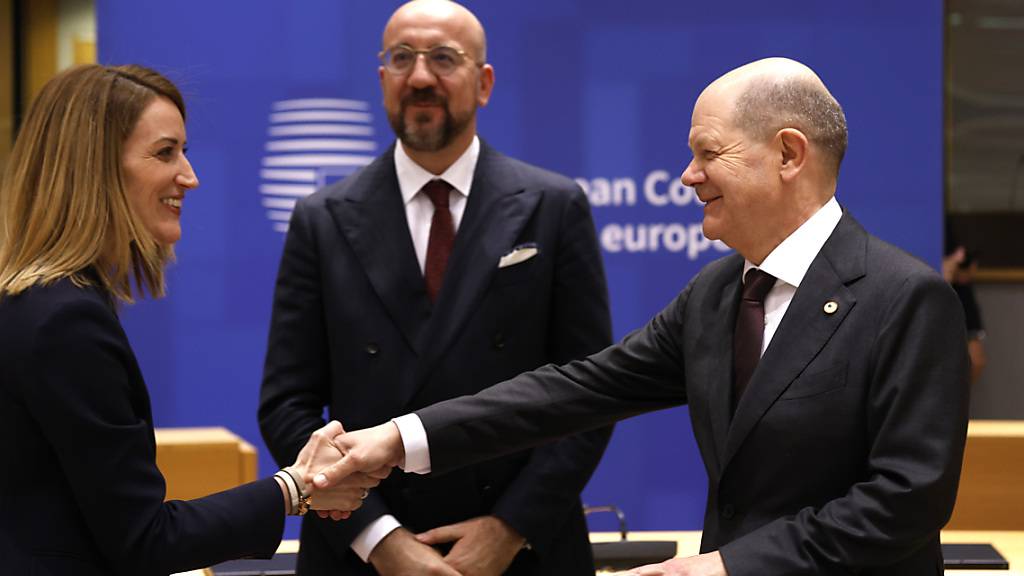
(441, 60)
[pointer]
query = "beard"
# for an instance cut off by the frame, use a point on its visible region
(418, 134)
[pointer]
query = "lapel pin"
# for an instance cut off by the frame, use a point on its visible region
(830, 307)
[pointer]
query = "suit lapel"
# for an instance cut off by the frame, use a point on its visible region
(495, 215)
(716, 349)
(805, 328)
(372, 219)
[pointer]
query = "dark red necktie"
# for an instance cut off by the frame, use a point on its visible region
(442, 236)
(749, 333)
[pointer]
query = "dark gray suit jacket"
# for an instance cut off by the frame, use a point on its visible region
(354, 330)
(844, 454)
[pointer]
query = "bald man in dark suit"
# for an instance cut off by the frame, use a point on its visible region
(437, 270)
(825, 370)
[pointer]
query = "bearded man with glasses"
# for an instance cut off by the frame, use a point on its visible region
(441, 268)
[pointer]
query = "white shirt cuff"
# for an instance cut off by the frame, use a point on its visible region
(414, 439)
(374, 532)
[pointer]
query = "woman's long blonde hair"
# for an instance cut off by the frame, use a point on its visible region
(64, 210)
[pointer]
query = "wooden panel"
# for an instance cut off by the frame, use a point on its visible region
(84, 52)
(200, 461)
(1000, 275)
(39, 23)
(6, 80)
(247, 470)
(991, 495)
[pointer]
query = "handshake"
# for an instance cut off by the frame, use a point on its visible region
(342, 466)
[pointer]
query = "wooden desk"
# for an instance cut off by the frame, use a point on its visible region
(1010, 545)
(197, 462)
(990, 495)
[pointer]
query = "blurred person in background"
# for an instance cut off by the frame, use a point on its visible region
(958, 268)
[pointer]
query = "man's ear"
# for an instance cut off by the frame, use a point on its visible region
(794, 147)
(486, 80)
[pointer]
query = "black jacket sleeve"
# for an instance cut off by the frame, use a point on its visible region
(92, 407)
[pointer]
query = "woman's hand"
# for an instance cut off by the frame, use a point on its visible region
(340, 500)
(337, 502)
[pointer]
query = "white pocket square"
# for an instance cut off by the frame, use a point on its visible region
(518, 255)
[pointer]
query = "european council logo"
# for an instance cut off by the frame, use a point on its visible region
(312, 142)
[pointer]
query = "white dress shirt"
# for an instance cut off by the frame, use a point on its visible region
(789, 262)
(419, 211)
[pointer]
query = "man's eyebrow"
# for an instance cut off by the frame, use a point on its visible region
(701, 140)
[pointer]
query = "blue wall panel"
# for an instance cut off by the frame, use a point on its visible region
(601, 91)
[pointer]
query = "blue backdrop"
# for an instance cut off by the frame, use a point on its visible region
(599, 90)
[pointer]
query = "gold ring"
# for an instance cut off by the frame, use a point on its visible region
(366, 492)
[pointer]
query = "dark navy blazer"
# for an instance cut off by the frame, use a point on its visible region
(81, 494)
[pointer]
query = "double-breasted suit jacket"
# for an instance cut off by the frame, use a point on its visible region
(354, 330)
(844, 453)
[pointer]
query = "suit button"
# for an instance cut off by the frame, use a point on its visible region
(499, 341)
(372, 349)
(728, 511)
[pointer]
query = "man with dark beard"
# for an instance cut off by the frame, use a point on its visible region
(439, 269)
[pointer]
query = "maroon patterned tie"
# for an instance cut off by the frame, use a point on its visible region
(749, 333)
(442, 236)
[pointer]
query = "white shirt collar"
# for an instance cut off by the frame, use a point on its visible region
(790, 260)
(412, 177)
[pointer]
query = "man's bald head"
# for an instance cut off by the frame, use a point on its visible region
(777, 93)
(457, 18)
(767, 140)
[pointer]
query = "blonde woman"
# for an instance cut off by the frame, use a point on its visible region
(89, 212)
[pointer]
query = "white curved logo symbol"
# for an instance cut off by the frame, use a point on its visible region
(312, 142)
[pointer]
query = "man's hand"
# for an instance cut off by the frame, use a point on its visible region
(344, 497)
(319, 451)
(399, 554)
(484, 546)
(709, 564)
(363, 451)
